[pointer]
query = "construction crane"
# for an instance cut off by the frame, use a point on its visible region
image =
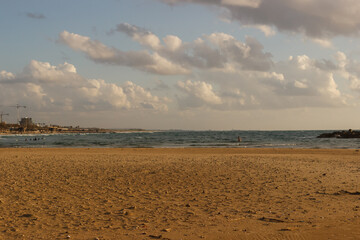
(18, 111)
(1, 115)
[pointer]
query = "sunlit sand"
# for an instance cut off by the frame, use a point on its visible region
(179, 194)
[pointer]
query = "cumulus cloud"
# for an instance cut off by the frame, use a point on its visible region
(172, 56)
(243, 74)
(309, 82)
(141, 35)
(172, 43)
(199, 93)
(349, 69)
(99, 52)
(323, 42)
(4, 75)
(318, 19)
(242, 3)
(296, 83)
(43, 86)
(228, 74)
(94, 49)
(267, 30)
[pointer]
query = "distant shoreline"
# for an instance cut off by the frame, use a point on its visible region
(82, 131)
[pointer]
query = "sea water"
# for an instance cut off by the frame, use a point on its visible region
(181, 139)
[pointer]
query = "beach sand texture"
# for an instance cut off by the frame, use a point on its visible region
(179, 194)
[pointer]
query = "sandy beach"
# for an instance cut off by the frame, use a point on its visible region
(179, 194)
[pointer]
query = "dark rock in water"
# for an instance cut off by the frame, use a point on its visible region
(341, 134)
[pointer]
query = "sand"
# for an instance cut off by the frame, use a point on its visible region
(179, 194)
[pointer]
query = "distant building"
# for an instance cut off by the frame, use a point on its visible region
(26, 122)
(40, 124)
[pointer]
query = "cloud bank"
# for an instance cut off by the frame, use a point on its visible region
(317, 19)
(224, 73)
(299, 82)
(217, 51)
(45, 87)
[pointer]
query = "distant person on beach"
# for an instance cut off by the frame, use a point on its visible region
(239, 139)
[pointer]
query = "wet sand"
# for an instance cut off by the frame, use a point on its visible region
(179, 194)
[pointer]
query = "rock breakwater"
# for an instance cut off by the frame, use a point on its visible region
(341, 134)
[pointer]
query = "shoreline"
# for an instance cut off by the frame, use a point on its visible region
(73, 132)
(188, 193)
(206, 150)
(168, 139)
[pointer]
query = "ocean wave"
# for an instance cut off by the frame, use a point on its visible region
(179, 139)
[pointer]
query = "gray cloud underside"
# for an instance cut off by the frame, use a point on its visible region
(320, 19)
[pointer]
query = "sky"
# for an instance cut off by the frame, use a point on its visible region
(182, 64)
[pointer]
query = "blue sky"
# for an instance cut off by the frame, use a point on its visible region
(182, 64)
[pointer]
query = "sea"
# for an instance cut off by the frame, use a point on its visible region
(181, 139)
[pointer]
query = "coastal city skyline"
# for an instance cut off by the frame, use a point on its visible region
(182, 64)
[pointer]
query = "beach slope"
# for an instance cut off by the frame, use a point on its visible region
(179, 194)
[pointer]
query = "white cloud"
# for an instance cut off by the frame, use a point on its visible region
(217, 51)
(341, 59)
(311, 79)
(200, 90)
(354, 82)
(165, 66)
(143, 99)
(331, 87)
(242, 3)
(94, 49)
(349, 69)
(4, 75)
(243, 74)
(323, 42)
(142, 60)
(267, 30)
(303, 62)
(43, 86)
(140, 35)
(298, 82)
(172, 43)
(45, 72)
